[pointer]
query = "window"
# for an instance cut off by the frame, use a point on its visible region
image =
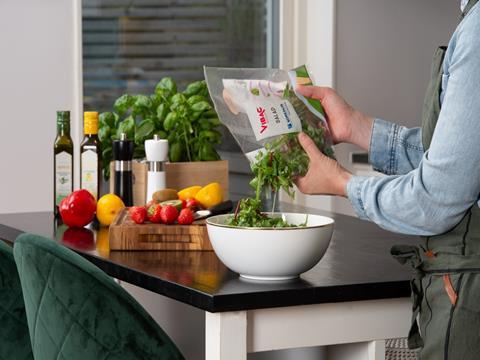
(129, 45)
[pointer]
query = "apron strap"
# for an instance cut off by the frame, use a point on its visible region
(411, 255)
(469, 7)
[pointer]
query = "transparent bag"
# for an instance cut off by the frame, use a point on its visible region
(261, 110)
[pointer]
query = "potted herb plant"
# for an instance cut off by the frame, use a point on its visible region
(186, 119)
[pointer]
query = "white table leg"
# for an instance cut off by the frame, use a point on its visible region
(376, 350)
(226, 335)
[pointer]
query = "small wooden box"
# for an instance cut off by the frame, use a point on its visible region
(178, 176)
(124, 234)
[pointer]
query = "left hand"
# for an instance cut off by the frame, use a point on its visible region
(325, 176)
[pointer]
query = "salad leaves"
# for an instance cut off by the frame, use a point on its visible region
(276, 168)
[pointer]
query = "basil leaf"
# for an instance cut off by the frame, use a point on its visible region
(142, 105)
(144, 131)
(194, 88)
(161, 134)
(208, 153)
(201, 106)
(127, 126)
(104, 133)
(123, 103)
(107, 119)
(175, 152)
(194, 99)
(170, 121)
(168, 85)
(162, 111)
(178, 99)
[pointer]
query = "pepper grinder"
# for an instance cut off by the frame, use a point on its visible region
(156, 150)
(123, 155)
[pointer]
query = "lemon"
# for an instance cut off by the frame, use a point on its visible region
(189, 192)
(108, 207)
(103, 243)
(210, 195)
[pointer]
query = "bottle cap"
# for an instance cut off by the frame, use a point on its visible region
(156, 149)
(90, 122)
(63, 116)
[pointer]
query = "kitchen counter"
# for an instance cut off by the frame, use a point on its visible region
(356, 266)
(356, 269)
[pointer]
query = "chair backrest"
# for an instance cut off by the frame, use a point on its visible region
(14, 337)
(77, 312)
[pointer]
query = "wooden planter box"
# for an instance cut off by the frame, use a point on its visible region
(179, 175)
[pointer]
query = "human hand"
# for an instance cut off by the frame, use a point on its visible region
(346, 123)
(325, 176)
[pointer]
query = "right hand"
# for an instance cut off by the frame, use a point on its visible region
(346, 123)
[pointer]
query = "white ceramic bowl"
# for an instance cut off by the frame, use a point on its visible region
(267, 253)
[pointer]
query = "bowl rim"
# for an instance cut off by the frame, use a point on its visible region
(331, 223)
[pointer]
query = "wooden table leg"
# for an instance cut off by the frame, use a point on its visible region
(226, 335)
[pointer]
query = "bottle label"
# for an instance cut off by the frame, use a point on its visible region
(63, 176)
(90, 172)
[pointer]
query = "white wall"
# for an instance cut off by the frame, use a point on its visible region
(376, 53)
(39, 74)
(382, 62)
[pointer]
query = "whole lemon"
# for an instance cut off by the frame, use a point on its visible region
(108, 207)
(210, 195)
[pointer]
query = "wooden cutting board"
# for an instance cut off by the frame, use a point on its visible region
(125, 234)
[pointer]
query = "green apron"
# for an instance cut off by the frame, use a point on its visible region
(446, 281)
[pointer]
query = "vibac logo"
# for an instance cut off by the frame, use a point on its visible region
(263, 119)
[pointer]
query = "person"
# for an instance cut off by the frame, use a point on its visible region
(431, 188)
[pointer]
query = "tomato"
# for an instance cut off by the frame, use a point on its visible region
(78, 208)
(79, 238)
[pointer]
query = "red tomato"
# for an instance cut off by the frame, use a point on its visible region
(80, 238)
(78, 208)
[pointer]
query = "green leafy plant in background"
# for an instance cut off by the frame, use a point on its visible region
(186, 119)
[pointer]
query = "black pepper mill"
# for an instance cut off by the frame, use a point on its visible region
(123, 155)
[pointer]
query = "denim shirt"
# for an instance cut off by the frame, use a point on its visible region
(428, 192)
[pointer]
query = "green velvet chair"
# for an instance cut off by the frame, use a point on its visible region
(77, 312)
(14, 337)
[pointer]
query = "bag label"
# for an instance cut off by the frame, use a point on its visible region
(263, 102)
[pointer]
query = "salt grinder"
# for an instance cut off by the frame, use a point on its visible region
(123, 155)
(156, 150)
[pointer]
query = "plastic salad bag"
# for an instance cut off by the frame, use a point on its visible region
(264, 114)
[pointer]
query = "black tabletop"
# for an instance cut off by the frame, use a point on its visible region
(356, 266)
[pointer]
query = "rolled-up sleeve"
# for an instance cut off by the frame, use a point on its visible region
(434, 196)
(395, 149)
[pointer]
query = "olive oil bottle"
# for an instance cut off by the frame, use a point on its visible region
(62, 160)
(90, 163)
